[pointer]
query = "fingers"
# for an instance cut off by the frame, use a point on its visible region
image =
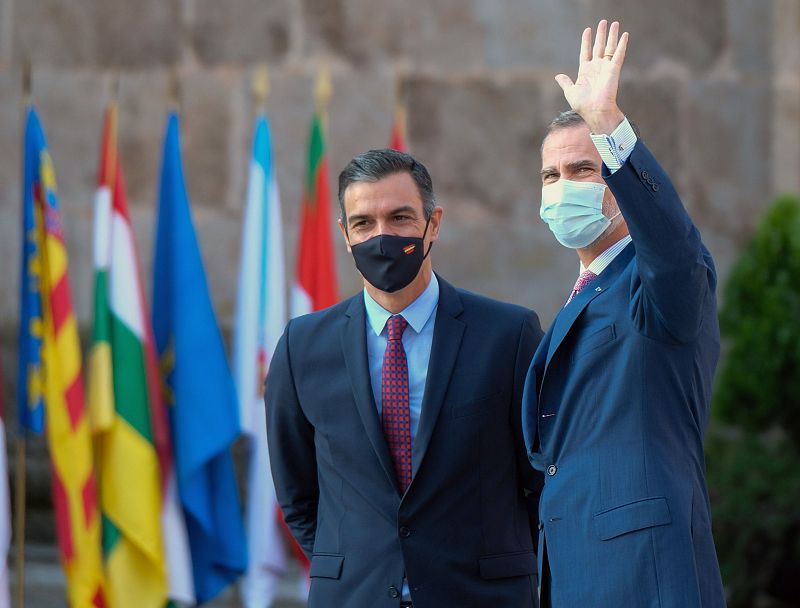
(613, 39)
(586, 45)
(600, 39)
(564, 82)
(622, 47)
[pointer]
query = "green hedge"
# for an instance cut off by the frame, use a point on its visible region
(754, 463)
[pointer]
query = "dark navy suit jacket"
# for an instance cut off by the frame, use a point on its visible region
(464, 531)
(615, 408)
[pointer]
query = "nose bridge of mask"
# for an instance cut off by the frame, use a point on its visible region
(583, 193)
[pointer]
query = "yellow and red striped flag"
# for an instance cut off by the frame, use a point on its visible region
(120, 399)
(55, 329)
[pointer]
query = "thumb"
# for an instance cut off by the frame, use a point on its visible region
(564, 82)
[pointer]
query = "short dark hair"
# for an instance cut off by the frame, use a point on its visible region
(375, 165)
(570, 118)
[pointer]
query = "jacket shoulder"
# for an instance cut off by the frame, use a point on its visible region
(313, 323)
(477, 304)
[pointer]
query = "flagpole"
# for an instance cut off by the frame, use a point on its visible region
(175, 92)
(259, 88)
(20, 474)
(323, 91)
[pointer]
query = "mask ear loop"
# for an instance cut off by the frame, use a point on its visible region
(424, 232)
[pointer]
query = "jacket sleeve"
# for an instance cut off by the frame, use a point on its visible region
(291, 449)
(675, 269)
(531, 479)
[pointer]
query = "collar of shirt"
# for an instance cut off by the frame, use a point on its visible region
(599, 264)
(417, 313)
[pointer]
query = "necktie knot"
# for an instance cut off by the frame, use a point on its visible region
(586, 277)
(396, 325)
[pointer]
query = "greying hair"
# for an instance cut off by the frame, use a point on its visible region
(375, 165)
(571, 118)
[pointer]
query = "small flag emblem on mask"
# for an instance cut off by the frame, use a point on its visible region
(409, 248)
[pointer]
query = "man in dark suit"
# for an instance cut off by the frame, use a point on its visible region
(617, 398)
(394, 419)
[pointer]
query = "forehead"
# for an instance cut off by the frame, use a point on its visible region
(386, 193)
(567, 145)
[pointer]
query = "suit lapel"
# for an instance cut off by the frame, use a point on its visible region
(568, 314)
(354, 348)
(447, 335)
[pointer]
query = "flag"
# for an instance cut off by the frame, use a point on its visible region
(198, 387)
(5, 505)
(315, 284)
(397, 141)
(260, 319)
(120, 400)
(52, 376)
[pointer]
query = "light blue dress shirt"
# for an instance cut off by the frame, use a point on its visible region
(417, 339)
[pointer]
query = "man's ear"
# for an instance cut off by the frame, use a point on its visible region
(435, 223)
(343, 229)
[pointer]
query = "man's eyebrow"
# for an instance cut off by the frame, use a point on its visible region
(572, 167)
(401, 209)
(581, 164)
(357, 218)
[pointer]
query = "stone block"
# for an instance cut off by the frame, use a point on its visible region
(726, 159)
(241, 31)
(750, 32)
(206, 121)
(106, 33)
(144, 100)
(785, 39)
(136, 34)
(537, 34)
(6, 32)
(654, 105)
(50, 32)
(445, 32)
(684, 31)
(479, 138)
(785, 136)
(11, 120)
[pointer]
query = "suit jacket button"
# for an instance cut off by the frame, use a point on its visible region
(655, 187)
(393, 592)
(405, 532)
(645, 175)
(551, 470)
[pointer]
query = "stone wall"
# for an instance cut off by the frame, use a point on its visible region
(714, 86)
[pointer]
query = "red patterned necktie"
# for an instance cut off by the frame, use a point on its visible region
(586, 277)
(395, 415)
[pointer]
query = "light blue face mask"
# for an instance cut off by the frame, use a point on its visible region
(574, 212)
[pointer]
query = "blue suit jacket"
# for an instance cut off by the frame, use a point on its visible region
(462, 530)
(615, 407)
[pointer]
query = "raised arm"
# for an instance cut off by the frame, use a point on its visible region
(675, 269)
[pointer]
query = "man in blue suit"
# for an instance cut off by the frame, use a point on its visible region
(617, 398)
(394, 419)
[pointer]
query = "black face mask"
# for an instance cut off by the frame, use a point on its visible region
(390, 262)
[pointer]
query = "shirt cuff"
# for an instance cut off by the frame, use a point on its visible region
(615, 149)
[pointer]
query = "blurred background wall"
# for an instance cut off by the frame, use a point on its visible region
(714, 86)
